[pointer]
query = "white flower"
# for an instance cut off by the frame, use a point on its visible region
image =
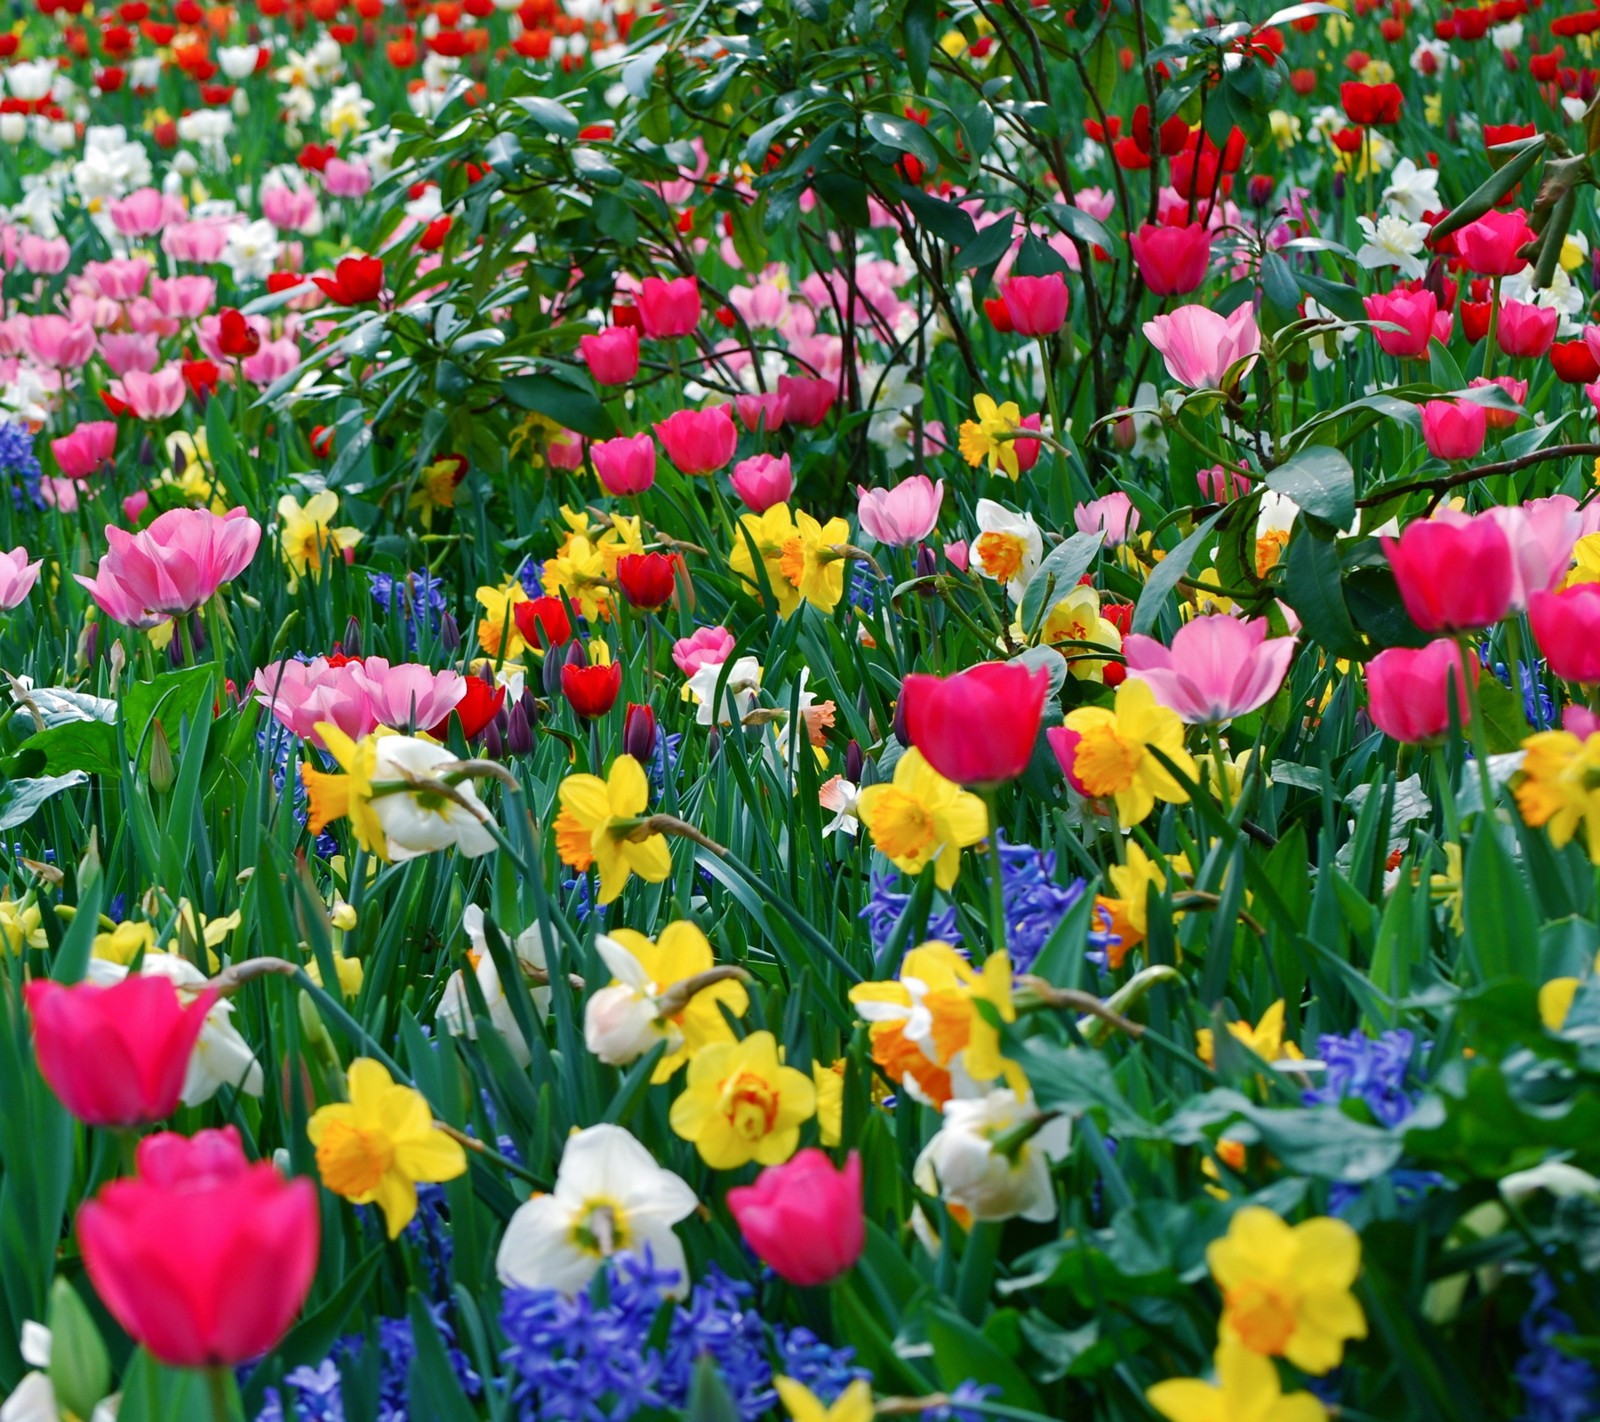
(1557, 1177)
(610, 1196)
(455, 1007)
(30, 79)
(144, 72)
(738, 697)
(251, 251)
(208, 129)
(238, 61)
(962, 1164)
(112, 165)
(1009, 547)
(1412, 191)
(345, 113)
(841, 796)
(1324, 343)
(419, 822)
(1433, 55)
(1393, 242)
(1507, 38)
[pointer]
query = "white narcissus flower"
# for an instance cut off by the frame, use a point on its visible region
(738, 696)
(417, 822)
(1009, 547)
(962, 1164)
(610, 1197)
(1394, 242)
(1559, 1178)
(1412, 191)
(251, 251)
(455, 1007)
(623, 1021)
(841, 796)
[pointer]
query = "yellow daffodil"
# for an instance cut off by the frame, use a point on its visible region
(380, 1144)
(920, 818)
(125, 942)
(829, 1081)
(854, 1404)
(1111, 758)
(1286, 1288)
(436, 486)
(347, 792)
(190, 471)
(1075, 626)
(593, 827)
(21, 925)
(350, 972)
(1555, 1000)
(810, 562)
(741, 1104)
(1131, 882)
(497, 628)
(579, 571)
(1247, 1390)
(770, 533)
(981, 438)
(1558, 787)
(306, 533)
(1265, 1039)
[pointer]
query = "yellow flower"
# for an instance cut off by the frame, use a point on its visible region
(497, 628)
(742, 1104)
(829, 1081)
(1112, 758)
(1265, 1039)
(854, 1404)
(1555, 1000)
(682, 952)
(921, 818)
(436, 486)
(770, 533)
(1558, 787)
(1286, 1289)
(809, 563)
(306, 533)
(580, 572)
(626, 535)
(190, 471)
(1071, 623)
(981, 438)
(21, 924)
(349, 971)
(1247, 1390)
(378, 1145)
(595, 821)
(125, 942)
(347, 792)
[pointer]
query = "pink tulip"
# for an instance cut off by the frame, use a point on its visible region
(198, 242)
(1526, 330)
(1200, 346)
(1540, 537)
(58, 342)
(357, 696)
(44, 256)
(1413, 311)
(706, 647)
(958, 555)
(806, 399)
(612, 355)
(902, 515)
(17, 577)
(1221, 485)
(1516, 390)
(126, 351)
(1172, 261)
(183, 298)
(668, 309)
(152, 395)
(1037, 306)
(272, 362)
(1409, 690)
(249, 1252)
(134, 505)
(172, 567)
(1455, 573)
(1566, 625)
(1217, 667)
(347, 178)
(86, 450)
(143, 212)
(698, 441)
(762, 481)
(291, 208)
(122, 278)
(761, 412)
(1490, 246)
(803, 1218)
(1581, 721)
(1113, 517)
(626, 464)
(1454, 429)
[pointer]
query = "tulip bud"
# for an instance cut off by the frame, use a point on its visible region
(80, 1369)
(89, 648)
(639, 732)
(351, 645)
(519, 729)
(449, 634)
(175, 653)
(147, 454)
(901, 734)
(493, 743)
(162, 771)
(855, 761)
(577, 655)
(550, 675)
(927, 565)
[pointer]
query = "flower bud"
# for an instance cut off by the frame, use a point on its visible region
(519, 728)
(619, 1026)
(351, 644)
(855, 761)
(639, 732)
(449, 634)
(162, 771)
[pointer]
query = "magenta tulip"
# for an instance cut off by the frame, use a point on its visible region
(1454, 429)
(803, 1218)
(806, 399)
(1172, 261)
(1413, 311)
(979, 726)
(1491, 245)
(699, 441)
(612, 355)
(762, 481)
(1566, 625)
(1037, 305)
(1455, 573)
(669, 308)
(1409, 690)
(626, 464)
(1526, 330)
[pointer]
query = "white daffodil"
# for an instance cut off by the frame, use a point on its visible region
(455, 1007)
(610, 1198)
(962, 1164)
(840, 796)
(251, 251)
(1009, 547)
(1394, 242)
(1412, 191)
(421, 821)
(738, 696)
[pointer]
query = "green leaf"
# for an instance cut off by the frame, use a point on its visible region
(1057, 576)
(552, 117)
(1166, 574)
(1504, 720)
(432, 1385)
(1488, 194)
(90, 746)
(991, 243)
(961, 1352)
(904, 135)
(709, 1399)
(1502, 928)
(20, 799)
(921, 18)
(1312, 587)
(567, 404)
(1321, 482)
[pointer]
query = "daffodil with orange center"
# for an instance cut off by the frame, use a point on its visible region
(347, 792)
(1108, 752)
(497, 628)
(596, 822)
(741, 1104)
(768, 534)
(811, 563)
(920, 818)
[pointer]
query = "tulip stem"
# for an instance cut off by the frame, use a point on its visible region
(217, 1383)
(1494, 326)
(997, 901)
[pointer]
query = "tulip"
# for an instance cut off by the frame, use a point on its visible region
(669, 308)
(17, 577)
(543, 621)
(345, 179)
(1371, 104)
(481, 702)
(236, 337)
(626, 464)
(1541, 535)
(56, 341)
(248, 1256)
(1455, 573)
(806, 400)
(648, 580)
(698, 441)
(902, 515)
(1222, 485)
(355, 281)
(1172, 261)
(565, 451)
(1113, 517)
(761, 412)
(1566, 625)
(1200, 347)
(591, 690)
(1413, 311)
(116, 1056)
(1526, 330)
(762, 481)
(86, 450)
(1490, 246)
(639, 732)
(143, 213)
(979, 726)
(1037, 306)
(1516, 389)
(1454, 429)
(1409, 690)
(172, 567)
(1574, 362)
(707, 646)
(1217, 667)
(803, 1219)
(612, 356)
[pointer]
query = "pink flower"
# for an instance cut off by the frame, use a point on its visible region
(86, 450)
(1172, 260)
(183, 298)
(698, 441)
(143, 213)
(1409, 690)
(761, 412)
(1566, 625)
(272, 362)
(173, 566)
(978, 727)
(347, 179)
(357, 696)
(1540, 537)
(1413, 311)
(1217, 667)
(669, 308)
(1490, 245)
(706, 647)
(134, 505)
(762, 481)
(1581, 721)
(198, 242)
(806, 399)
(1221, 485)
(249, 1253)
(1455, 573)
(1526, 330)
(1516, 389)
(44, 256)
(122, 278)
(1454, 429)
(17, 577)
(1037, 305)
(56, 341)
(958, 555)
(1113, 517)
(289, 207)
(1199, 346)
(125, 351)
(626, 464)
(804, 1218)
(612, 355)
(152, 395)
(565, 451)
(902, 515)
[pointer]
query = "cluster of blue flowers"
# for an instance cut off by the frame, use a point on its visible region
(1556, 1386)
(282, 746)
(19, 464)
(416, 596)
(1537, 704)
(1379, 1070)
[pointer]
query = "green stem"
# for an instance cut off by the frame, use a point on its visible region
(1447, 794)
(997, 898)
(218, 1385)
(977, 1269)
(1051, 391)
(1219, 765)
(1494, 326)
(1474, 728)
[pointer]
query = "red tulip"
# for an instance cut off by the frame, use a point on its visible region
(1574, 363)
(236, 337)
(647, 580)
(1172, 261)
(1409, 690)
(592, 690)
(116, 1056)
(1037, 306)
(639, 732)
(475, 710)
(204, 1258)
(1371, 103)
(612, 356)
(979, 726)
(355, 281)
(803, 1218)
(543, 621)
(1566, 626)
(1455, 573)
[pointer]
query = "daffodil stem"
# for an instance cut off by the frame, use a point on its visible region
(977, 1269)
(477, 1147)
(997, 897)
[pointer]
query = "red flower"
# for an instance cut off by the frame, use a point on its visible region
(314, 156)
(1371, 103)
(1494, 134)
(475, 710)
(201, 376)
(979, 726)
(355, 281)
(543, 621)
(999, 314)
(804, 1218)
(648, 579)
(237, 338)
(1574, 362)
(592, 690)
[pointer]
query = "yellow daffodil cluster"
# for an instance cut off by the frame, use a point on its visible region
(802, 559)
(1558, 787)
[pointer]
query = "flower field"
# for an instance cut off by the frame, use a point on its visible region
(799, 709)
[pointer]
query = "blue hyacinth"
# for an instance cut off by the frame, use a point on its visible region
(1555, 1386)
(19, 464)
(1377, 1070)
(417, 596)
